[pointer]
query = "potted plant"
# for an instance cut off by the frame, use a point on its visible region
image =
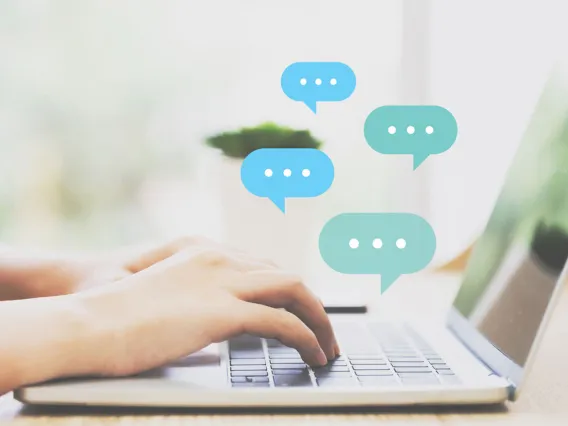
(253, 223)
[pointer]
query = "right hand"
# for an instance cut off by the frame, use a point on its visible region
(204, 294)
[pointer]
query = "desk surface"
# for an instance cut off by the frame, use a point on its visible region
(543, 401)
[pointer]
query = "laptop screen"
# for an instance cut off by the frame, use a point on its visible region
(515, 265)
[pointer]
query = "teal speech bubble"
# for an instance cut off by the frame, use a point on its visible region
(420, 130)
(389, 244)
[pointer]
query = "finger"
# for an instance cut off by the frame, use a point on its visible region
(270, 323)
(148, 257)
(282, 290)
(336, 348)
(144, 258)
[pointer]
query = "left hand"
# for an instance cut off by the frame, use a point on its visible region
(32, 276)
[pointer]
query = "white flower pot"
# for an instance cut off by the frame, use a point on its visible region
(256, 225)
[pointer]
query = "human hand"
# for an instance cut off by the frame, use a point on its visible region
(25, 275)
(203, 294)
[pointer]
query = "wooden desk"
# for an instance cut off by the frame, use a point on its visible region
(543, 402)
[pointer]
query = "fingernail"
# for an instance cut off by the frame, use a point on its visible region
(321, 357)
(337, 350)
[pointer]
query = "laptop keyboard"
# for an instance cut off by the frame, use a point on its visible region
(374, 354)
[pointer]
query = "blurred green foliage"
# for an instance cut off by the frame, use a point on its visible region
(239, 144)
(534, 195)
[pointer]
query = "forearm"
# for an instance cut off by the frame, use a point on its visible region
(47, 338)
(27, 275)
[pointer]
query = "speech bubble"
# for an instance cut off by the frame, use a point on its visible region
(417, 130)
(280, 173)
(313, 82)
(389, 244)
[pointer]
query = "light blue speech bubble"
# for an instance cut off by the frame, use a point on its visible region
(280, 173)
(389, 244)
(313, 82)
(419, 130)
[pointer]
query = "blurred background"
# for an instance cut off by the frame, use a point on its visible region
(106, 107)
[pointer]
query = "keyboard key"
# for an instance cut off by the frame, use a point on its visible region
(396, 357)
(366, 357)
(333, 369)
(367, 353)
(334, 381)
(441, 367)
(445, 372)
(434, 359)
(276, 361)
(296, 380)
(336, 362)
(419, 369)
(333, 374)
(282, 350)
(249, 379)
(285, 355)
(248, 368)
(424, 374)
(390, 355)
(289, 372)
(245, 341)
(290, 366)
(248, 373)
(258, 379)
(408, 363)
(370, 367)
(251, 385)
(246, 354)
(367, 362)
(250, 361)
(373, 373)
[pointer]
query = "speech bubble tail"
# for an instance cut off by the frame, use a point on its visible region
(311, 105)
(387, 281)
(280, 203)
(418, 160)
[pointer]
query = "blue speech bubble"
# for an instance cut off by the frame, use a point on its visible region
(312, 82)
(280, 173)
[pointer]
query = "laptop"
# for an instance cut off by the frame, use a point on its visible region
(481, 355)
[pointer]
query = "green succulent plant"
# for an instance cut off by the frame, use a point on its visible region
(240, 143)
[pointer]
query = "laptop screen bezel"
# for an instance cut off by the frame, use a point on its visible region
(489, 354)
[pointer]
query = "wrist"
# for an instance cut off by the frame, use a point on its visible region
(50, 338)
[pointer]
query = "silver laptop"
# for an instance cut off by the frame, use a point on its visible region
(481, 355)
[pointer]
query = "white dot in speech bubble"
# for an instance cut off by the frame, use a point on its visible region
(318, 81)
(410, 130)
(303, 81)
(401, 243)
(429, 130)
(287, 172)
(306, 172)
(353, 243)
(392, 130)
(377, 243)
(333, 81)
(268, 173)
